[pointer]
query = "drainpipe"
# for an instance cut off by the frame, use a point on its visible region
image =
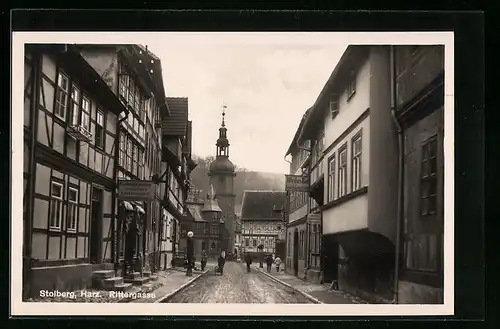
(399, 217)
(113, 200)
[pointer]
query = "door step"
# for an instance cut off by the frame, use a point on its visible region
(138, 281)
(124, 287)
(112, 283)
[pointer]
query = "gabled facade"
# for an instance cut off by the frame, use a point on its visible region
(206, 225)
(303, 234)
(176, 131)
(71, 128)
(354, 172)
(261, 220)
(134, 75)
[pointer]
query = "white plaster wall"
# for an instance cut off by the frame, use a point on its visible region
(364, 127)
(348, 216)
(350, 110)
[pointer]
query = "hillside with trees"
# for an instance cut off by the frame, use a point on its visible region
(244, 180)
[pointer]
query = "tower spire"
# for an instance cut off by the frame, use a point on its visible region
(222, 141)
(223, 115)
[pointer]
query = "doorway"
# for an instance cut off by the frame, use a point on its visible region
(330, 258)
(296, 252)
(95, 226)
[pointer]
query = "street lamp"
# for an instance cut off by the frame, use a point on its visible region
(221, 233)
(190, 252)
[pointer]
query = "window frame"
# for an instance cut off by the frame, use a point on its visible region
(58, 104)
(72, 207)
(60, 200)
(334, 107)
(332, 171)
(83, 112)
(102, 126)
(342, 170)
(74, 115)
(432, 176)
(356, 158)
(351, 86)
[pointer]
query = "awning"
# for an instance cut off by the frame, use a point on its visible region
(127, 206)
(140, 210)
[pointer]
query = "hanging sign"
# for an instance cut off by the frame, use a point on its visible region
(297, 183)
(136, 190)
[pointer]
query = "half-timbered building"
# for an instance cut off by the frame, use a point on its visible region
(418, 81)
(71, 122)
(176, 165)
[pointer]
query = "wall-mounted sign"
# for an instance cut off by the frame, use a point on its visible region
(314, 218)
(136, 190)
(297, 183)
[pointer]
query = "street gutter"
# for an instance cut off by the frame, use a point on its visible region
(169, 296)
(306, 295)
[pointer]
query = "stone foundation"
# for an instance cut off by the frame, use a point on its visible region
(414, 293)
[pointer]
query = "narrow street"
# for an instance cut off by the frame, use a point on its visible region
(237, 286)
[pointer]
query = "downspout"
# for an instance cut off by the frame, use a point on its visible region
(31, 182)
(113, 200)
(399, 217)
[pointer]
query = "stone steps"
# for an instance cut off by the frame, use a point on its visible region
(125, 287)
(111, 283)
(138, 281)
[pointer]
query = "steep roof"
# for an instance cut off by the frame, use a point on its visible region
(195, 210)
(186, 146)
(297, 133)
(350, 60)
(262, 205)
(176, 124)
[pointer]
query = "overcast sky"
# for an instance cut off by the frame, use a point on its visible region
(266, 82)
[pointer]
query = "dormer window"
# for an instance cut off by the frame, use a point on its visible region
(351, 87)
(334, 107)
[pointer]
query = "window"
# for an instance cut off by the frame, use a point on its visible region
(75, 105)
(123, 150)
(129, 153)
(351, 87)
(99, 130)
(141, 164)
(137, 99)
(56, 206)
(255, 242)
(72, 209)
(428, 178)
(131, 91)
(356, 163)
(331, 178)
(343, 171)
(247, 242)
(61, 95)
(334, 107)
(134, 160)
(85, 115)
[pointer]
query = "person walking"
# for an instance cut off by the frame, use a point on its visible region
(221, 262)
(269, 262)
(277, 262)
(248, 260)
(204, 259)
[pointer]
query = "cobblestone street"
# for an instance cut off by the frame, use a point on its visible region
(237, 286)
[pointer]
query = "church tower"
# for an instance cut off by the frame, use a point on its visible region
(221, 176)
